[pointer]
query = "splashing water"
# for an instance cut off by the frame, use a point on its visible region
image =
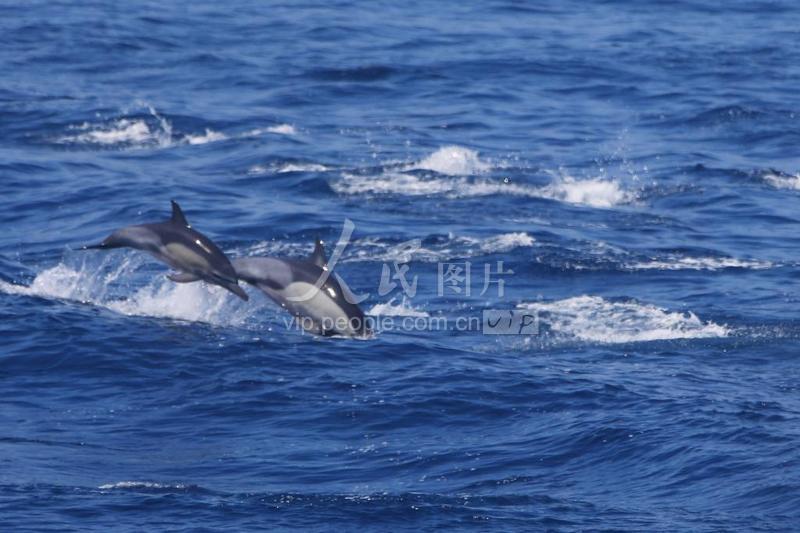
(194, 302)
(453, 161)
(395, 308)
(456, 168)
(594, 319)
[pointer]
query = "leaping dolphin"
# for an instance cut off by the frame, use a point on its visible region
(185, 249)
(320, 301)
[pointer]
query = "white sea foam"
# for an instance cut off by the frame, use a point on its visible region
(457, 170)
(132, 132)
(301, 167)
(377, 250)
(698, 263)
(394, 308)
(142, 485)
(257, 170)
(595, 192)
(196, 302)
(506, 242)
(594, 319)
(453, 161)
(283, 129)
(279, 129)
(209, 136)
(783, 181)
(137, 133)
(122, 131)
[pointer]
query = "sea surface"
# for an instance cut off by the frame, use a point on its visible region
(627, 173)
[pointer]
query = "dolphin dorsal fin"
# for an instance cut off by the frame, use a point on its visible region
(177, 215)
(318, 255)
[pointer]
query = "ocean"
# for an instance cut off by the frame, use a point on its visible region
(619, 180)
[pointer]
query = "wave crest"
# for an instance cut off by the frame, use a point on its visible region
(453, 161)
(594, 319)
(456, 170)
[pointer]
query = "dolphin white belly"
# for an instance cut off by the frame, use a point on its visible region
(321, 307)
(184, 258)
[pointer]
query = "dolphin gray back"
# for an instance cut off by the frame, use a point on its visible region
(269, 271)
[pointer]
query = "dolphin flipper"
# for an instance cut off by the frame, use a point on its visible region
(236, 289)
(182, 277)
(186, 277)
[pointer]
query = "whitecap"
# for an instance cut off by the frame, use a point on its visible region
(208, 137)
(126, 131)
(279, 129)
(137, 133)
(257, 170)
(453, 161)
(783, 181)
(594, 319)
(594, 192)
(374, 249)
(598, 192)
(457, 176)
(301, 167)
(142, 485)
(506, 242)
(394, 308)
(675, 262)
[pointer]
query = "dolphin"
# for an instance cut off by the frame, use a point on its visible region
(309, 290)
(176, 243)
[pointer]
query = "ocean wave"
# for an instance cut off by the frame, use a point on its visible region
(781, 180)
(395, 308)
(674, 262)
(152, 131)
(151, 486)
(278, 129)
(453, 161)
(429, 250)
(209, 136)
(283, 168)
(195, 302)
(455, 171)
(594, 319)
(282, 129)
(122, 132)
(594, 192)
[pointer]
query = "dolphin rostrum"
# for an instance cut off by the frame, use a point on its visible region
(185, 249)
(309, 290)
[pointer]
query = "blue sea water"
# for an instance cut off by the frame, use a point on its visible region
(635, 164)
